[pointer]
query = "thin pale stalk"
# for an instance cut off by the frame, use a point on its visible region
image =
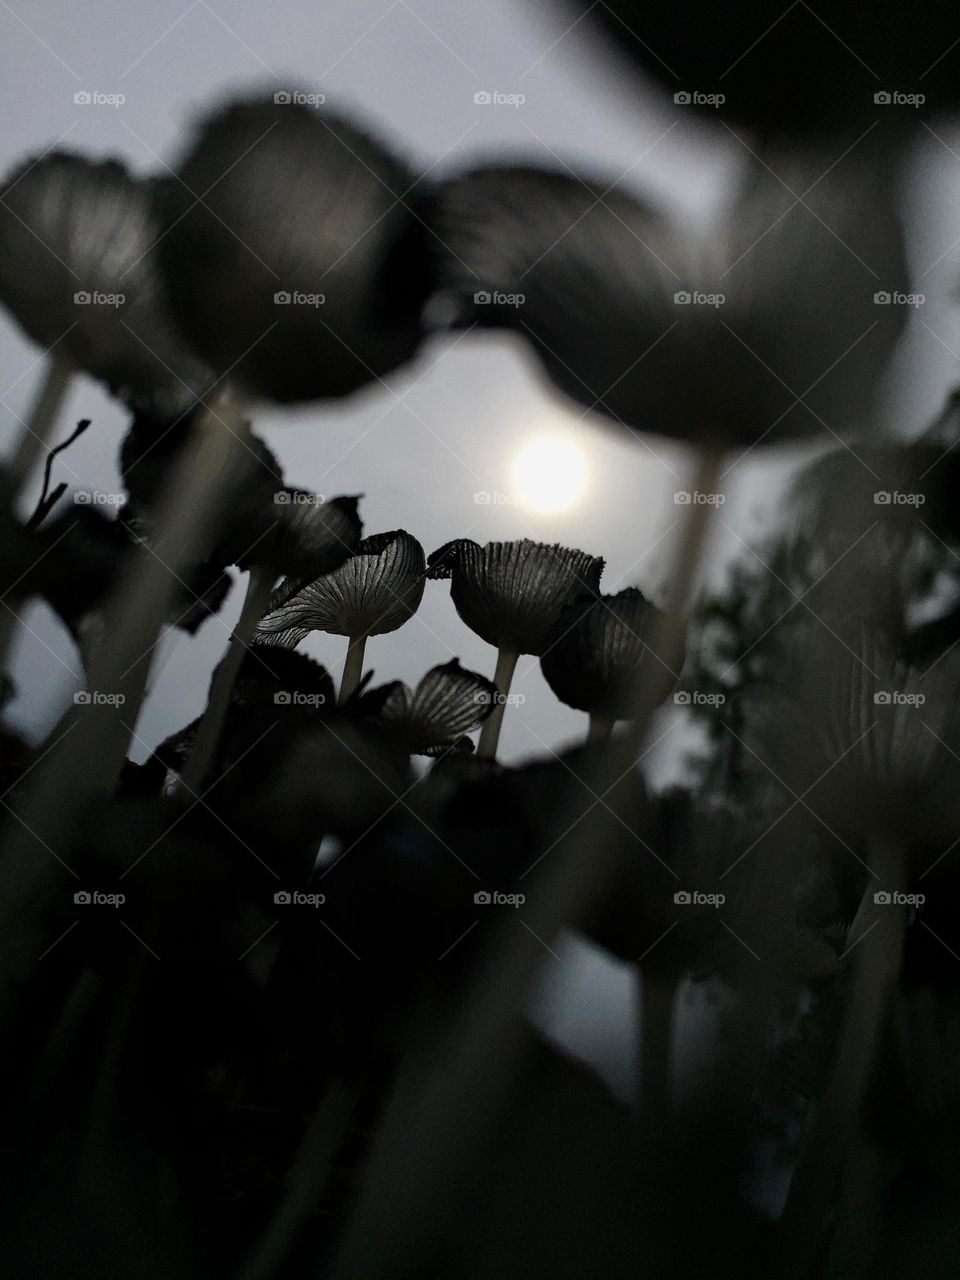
(437, 1124)
(33, 439)
(352, 668)
(255, 601)
(876, 950)
(658, 994)
(88, 749)
(599, 729)
(35, 435)
(502, 678)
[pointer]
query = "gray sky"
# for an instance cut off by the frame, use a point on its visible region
(450, 424)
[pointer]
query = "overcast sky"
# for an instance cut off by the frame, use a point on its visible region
(450, 424)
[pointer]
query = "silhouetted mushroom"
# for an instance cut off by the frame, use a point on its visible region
(600, 646)
(764, 327)
(447, 703)
(512, 594)
(78, 272)
(376, 590)
(291, 255)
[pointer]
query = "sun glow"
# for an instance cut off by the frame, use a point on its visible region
(550, 473)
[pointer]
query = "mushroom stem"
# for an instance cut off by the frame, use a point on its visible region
(600, 729)
(352, 668)
(259, 585)
(833, 1129)
(36, 430)
(88, 747)
(502, 678)
(655, 1095)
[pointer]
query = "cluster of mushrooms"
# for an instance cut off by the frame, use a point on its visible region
(290, 256)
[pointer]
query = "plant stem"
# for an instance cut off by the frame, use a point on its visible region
(441, 1120)
(834, 1128)
(502, 678)
(88, 747)
(259, 585)
(599, 729)
(352, 668)
(654, 1092)
(36, 430)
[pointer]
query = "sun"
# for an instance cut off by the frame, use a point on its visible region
(550, 473)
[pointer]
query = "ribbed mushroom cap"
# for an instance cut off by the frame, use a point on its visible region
(512, 594)
(312, 537)
(292, 253)
(78, 271)
(377, 589)
(447, 703)
(763, 328)
(600, 645)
